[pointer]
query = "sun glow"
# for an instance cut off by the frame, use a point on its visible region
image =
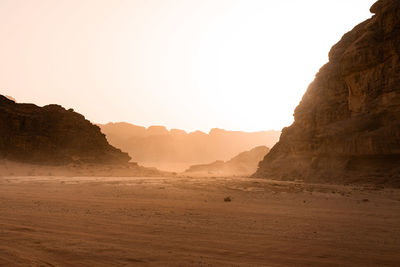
(241, 65)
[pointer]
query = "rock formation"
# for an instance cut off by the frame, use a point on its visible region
(347, 126)
(11, 98)
(52, 135)
(243, 164)
(176, 150)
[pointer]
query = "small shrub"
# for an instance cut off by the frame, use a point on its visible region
(227, 199)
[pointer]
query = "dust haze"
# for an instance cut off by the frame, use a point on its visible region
(323, 191)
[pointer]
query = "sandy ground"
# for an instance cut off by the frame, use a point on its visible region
(67, 221)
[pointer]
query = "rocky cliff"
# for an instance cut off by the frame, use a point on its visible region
(52, 135)
(347, 126)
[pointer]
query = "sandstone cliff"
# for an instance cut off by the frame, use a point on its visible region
(347, 126)
(52, 135)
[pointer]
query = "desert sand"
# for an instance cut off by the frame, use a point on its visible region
(182, 221)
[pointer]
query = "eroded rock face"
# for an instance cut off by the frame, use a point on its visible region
(347, 126)
(52, 135)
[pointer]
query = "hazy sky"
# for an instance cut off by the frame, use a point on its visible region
(189, 64)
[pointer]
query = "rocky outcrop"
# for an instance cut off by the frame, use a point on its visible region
(176, 150)
(11, 98)
(52, 135)
(243, 164)
(347, 126)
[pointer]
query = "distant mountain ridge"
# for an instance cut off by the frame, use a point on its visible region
(244, 164)
(160, 147)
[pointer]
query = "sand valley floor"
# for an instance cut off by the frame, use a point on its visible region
(92, 221)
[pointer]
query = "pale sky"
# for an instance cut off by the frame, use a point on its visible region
(187, 64)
